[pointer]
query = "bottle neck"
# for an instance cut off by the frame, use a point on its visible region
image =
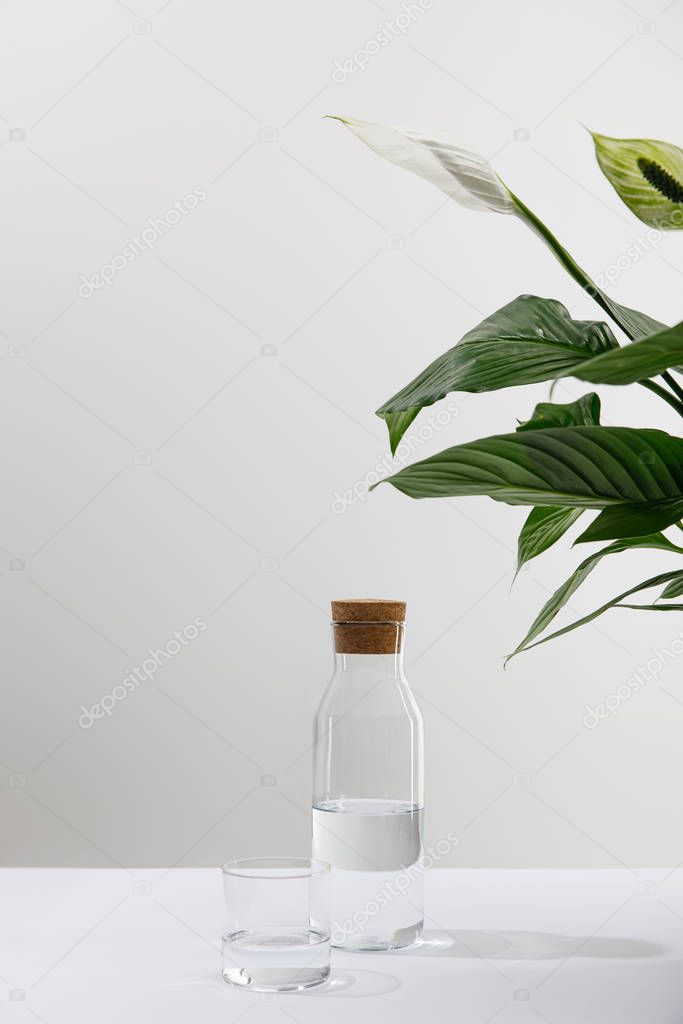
(380, 666)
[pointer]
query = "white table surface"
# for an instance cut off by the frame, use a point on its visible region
(511, 946)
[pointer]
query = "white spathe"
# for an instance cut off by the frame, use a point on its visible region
(465, 177)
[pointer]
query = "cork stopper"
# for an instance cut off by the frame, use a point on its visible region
(368, 626)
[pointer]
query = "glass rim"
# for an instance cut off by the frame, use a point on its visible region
(255, 868)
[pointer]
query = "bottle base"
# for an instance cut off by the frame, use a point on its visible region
(380, 943)
(268, 980)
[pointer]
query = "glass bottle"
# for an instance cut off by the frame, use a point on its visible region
(368, 781)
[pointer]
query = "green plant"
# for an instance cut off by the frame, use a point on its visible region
(561, 461)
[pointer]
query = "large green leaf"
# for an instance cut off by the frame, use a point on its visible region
(579, 467)
(647, 175)
(543, 527)
(559, 599)
(632, 520)
(646, 358)
(616, 602)
(531, 339)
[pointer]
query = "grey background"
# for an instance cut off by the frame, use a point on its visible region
(243, 357)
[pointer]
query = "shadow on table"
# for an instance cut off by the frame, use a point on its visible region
(356, 984)
(348, 985)
(518, 945)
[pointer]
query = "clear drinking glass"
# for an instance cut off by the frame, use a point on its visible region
(278, 923)
(368, 782)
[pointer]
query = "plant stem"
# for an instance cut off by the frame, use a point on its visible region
(673, 384)
(567, 260)
(657, 389)
(620, 314)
